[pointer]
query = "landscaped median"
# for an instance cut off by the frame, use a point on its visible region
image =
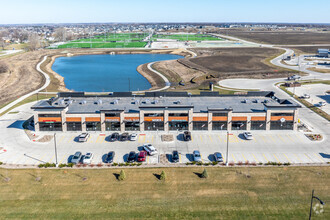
(303, 101)
(163, 193)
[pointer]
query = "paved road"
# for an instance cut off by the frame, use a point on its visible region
(31, 93)
(8, 52)
(274, 146)
(313, 120)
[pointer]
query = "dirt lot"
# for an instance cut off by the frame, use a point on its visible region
(281, 37)
(214, 64)
(308, 50)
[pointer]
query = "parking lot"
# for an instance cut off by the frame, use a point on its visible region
(265, 147)
(274, 146)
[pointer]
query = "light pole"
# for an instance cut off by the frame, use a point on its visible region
(227, 148)
(55, 149)
(314, 197)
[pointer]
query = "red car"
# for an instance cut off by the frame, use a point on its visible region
(142, 156)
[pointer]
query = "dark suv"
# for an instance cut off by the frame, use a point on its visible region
(124, 137)
(110, 156)
(187, 136)
(175, 156)
(131, 157)
(114, 137)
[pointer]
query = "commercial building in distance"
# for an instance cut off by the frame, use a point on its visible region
(165, 111)
(323, 52)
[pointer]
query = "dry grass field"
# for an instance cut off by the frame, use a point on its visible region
(281, 37)
(228, 193)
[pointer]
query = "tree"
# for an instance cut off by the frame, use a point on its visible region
(34, 41)
(122, 175)
(163, 176)
(205, 174)
(60, 34)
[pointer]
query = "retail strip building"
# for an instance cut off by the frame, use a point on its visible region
(165, 111)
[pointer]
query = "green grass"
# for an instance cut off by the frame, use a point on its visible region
(269, 193)
(186, 37)
(104, 45)
(32, 98)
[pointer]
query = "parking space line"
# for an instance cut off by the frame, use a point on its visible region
(103, 139)
(287, 158)
(263, 138)
(271, 137)
(62, 158)
(276, 158)
(97, 139)
(147, 159)
(265, 157)
(140, 139)
(61, 139)
(211, 139)
(298, 136)
(232, 155)
(179, 158)
(255, 158)
(290, 138)
(298, 158)
(200, 136)
(319, 157)
(219, 138)
(89, 139)
(309, 158)
(152, 139)
(244, 157)
(279, 136)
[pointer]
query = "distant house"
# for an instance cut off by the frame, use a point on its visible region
(323, 52)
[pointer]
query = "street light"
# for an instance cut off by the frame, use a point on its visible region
(314, 197)
(227, 147)
(55, 149)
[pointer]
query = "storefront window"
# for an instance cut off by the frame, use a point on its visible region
(54, 126)
(132, 126)
(73, 126)
(200, 125)
(112, 126)
(93, 126)
(238, 125)
(278, 125)
(258, 125)
(178, 125)
(219, 125)
(154, 125)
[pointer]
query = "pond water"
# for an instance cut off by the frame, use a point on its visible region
(106, 73)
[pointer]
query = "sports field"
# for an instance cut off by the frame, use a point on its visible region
(185, 37)
(228, 193)
(103, 45)
(109, 37)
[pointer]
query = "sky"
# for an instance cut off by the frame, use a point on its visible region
(88, 11)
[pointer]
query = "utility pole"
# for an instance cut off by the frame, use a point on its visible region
(227, 148)
(55, 149)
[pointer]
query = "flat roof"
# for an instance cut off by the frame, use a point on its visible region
(79, 103)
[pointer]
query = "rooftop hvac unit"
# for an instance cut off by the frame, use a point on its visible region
(99, 102)
(83, 102)
(61, 102)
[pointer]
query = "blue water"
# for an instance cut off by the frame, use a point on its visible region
(106, 73)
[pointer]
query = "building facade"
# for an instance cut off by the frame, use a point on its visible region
(165, 111)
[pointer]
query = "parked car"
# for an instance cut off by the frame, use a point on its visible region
(248, 135)
(175, 156)
(142, 156)
(124, 137)
(83, 137)
(197, 156)
(218, 157)
(322, 103)
(133, 137)
(150, 149)
(76, 157)
(110, 156)
(305, 96)
(114, 136)
(131, 157)
(294, 77)
(88, 158)
(187, 136)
